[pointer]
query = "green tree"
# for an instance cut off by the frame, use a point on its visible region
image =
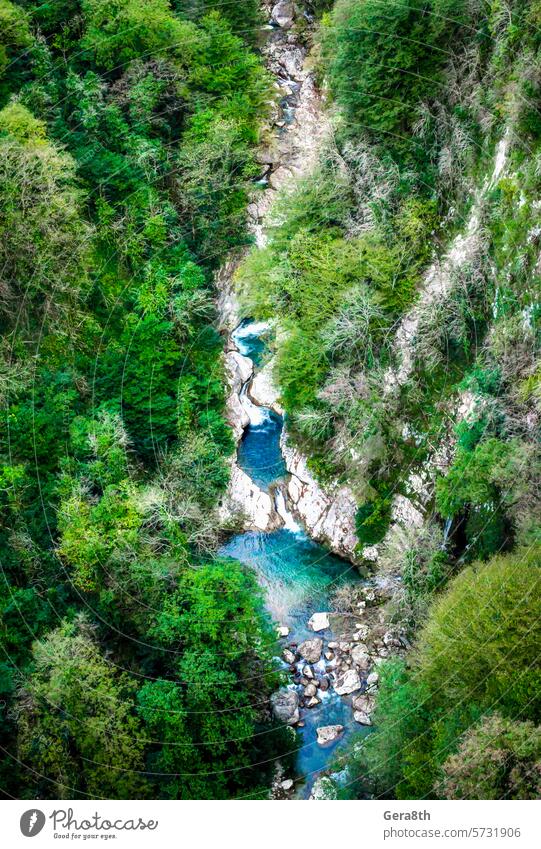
(78, 730)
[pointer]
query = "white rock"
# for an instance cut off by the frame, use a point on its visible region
(347, 683)
(263, 390)
(245, 498)
(319, 621)
(328, 515)
(328, 733)
(362, 718)
(288, 656)
(283, 630)
(287, 784)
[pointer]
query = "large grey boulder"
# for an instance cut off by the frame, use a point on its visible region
(310, 650)
(285, 704)
(283, 14)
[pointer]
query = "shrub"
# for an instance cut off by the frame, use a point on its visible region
(479, 644)
(372, 521)
(497, 759)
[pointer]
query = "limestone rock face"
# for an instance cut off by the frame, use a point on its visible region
(328, 734)
(329, 515)
(245, 499)
(264, 391)
(238, 370)
(285, 704)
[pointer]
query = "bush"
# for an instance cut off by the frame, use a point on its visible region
(479, 644)
(497, 759)
(372, 521)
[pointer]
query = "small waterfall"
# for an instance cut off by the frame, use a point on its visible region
(257, 415)
(280, 503)
(446, 531)
(246, 333)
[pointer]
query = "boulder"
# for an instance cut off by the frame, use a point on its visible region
(347, 683)
(319, 621)
(360, 656)
(310, 650)
(283, 630)
(328, 733)
(323, 684)
(287, 784)
(313, 702)
(307, 672)
(285, 704)
(363, 703)
(283, 14)
(372, 680)
(310, 690)
(288, 656)
(362, 718)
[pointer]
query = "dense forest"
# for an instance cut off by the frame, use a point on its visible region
(404, 274)
(134, 663)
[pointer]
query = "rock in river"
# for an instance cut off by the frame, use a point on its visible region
(288, 656)
(362, 718)
(347, 683)
(319, 621)
(285, 704)
(328, 733)
(310, 650)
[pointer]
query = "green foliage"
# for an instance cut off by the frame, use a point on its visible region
(126, 156)
(43, 235)
(473, 657)
(388, 66)
(118, 31)
(14, 38)
(78, 730)
(372, 521)
(490, 614)
(382, 759)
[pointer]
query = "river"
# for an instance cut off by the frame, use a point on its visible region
(297, 575)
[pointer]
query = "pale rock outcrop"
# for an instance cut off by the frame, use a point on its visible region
(263, 390)
(238, 369)
(329, 515)
(246, 500)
